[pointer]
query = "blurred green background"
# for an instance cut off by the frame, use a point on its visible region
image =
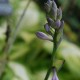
(30, 57)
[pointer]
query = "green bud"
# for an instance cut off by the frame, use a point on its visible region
(54, 10)
(59, 14)
(50, 21)
(48, 6)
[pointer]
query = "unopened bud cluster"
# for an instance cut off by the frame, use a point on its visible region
(53, 27)
(54, 20)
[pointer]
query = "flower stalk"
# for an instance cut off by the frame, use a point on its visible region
(53, 55)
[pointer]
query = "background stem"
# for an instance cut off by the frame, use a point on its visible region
(10, 42)
(15, 31)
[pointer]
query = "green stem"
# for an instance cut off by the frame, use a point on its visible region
(15, 31)
(53, 55)
(11, 41)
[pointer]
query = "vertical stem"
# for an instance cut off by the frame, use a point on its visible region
(11, 41)
(15, 31)
(53, 55)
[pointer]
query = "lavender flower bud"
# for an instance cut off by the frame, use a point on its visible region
(54, 10)
(50, 21)
(48, 6)
(59, 14)
(43, 36)
(53, 24)
(55, 77)
(57, 24)
(47, 27)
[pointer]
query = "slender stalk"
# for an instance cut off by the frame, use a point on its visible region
(53, 55)
(15, 31)
(11, 41)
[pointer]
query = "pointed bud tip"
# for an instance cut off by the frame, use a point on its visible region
(55, 77)
(43, 36)
(54, 10)
(47, 28)
(59, 13)
(50, 21)
(57, 23)
(48, 6)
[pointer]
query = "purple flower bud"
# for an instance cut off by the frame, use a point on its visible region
(5, 9)
(50, 21)
(57, 24)
(48, 6)
(47, 27)
(43, 36)
(55, 77)
(54, 10)
(59, 14)
(61, 27)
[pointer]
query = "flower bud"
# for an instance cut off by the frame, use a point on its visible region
(43, 36)
(47, 27)
(61, 28)
(55, 77)
(48, 6)
(54, 10)
(50, 21)
(59, 14)
(57, 24)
